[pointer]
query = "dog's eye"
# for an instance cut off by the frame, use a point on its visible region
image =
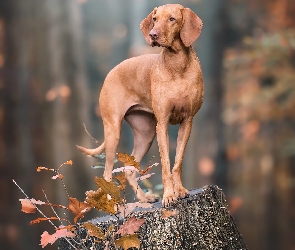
(171, 19)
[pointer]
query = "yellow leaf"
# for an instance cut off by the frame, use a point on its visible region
(109, 188)
(128, 160)
(99, 200)
(122, 179)
(94, 230)
(128, 241)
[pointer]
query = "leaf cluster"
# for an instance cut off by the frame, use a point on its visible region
(108, 198)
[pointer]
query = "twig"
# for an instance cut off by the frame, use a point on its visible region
(92, 138)
(40, 211)
(52, 207)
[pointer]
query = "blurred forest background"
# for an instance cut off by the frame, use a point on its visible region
(54, 56)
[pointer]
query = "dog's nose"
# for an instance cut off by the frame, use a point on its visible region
(153, 35)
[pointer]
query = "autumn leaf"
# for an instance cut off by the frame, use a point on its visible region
(126, 209)
(128, 160)
(122, 179)
(126, 168)
(59, 176)
(99, 200)
(96, 231)
(109, 188)
(28, 205)
(130, 226)
(47, 238)
(38, 220)
(66, 163)
(128, 241)
(167, 213)
(78, 208)
(144, 177)
(143, 172)
(40, 168)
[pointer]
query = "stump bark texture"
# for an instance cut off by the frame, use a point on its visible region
(202, 222)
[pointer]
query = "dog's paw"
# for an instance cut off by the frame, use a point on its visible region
(182, 193)
(168, 199)
(151, 198)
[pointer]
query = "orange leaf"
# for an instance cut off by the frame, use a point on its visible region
(28, 205)
(39, 169)
(128, 241)
(100, 201)
(47, 238)
(78, 208)
(142, 172)
(66, 163)
(38, 220)
(57, 176)
(122, 179)
(130, 226)
(109, 188)
(128, 160)
(94, 230)
(166, 213)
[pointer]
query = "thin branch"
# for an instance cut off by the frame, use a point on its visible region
(92, 138)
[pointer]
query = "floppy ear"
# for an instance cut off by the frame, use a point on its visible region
(191, 28)
(146, 25)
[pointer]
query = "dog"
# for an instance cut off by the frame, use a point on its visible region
(154, 90)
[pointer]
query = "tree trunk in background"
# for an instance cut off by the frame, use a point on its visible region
(43, 106)
(205, 156)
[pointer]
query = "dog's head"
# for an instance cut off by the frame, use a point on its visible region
(170, 22)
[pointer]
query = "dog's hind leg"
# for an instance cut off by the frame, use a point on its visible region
(112, 130)
(143, 125)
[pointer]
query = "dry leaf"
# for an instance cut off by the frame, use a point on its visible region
(47, 238)
(128, 241)
(38, 220)
(40, 168)
(130, 226)
(144, 177)
(128, 160)
(126, 209)
(99, 200)
(142, 172)
(109, 188)
(167, 213)
(28, 205)
(78, 208)
(94, 230)
(125, 168)
(122, 179)
(60, 176)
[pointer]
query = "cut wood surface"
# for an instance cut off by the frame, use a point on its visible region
(200, 221)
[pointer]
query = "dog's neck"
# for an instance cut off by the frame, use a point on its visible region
(177, 57)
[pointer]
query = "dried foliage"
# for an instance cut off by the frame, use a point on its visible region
(107, 198)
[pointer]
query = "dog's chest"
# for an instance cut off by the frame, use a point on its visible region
(181, 108)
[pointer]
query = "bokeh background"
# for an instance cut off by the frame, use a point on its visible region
(54, 56)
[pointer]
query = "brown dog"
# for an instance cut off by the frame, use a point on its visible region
(151, 91)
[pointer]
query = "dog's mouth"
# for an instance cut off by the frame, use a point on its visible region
(156, 43)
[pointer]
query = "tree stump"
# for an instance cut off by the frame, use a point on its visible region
(202, 222)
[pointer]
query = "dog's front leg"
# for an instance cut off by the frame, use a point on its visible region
(163, 142)
(183, 136)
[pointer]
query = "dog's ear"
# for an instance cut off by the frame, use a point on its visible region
(191, 28)
(147, 24)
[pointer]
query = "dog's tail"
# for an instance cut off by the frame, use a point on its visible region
(92, 152)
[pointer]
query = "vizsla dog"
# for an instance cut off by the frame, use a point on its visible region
(152, 91)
